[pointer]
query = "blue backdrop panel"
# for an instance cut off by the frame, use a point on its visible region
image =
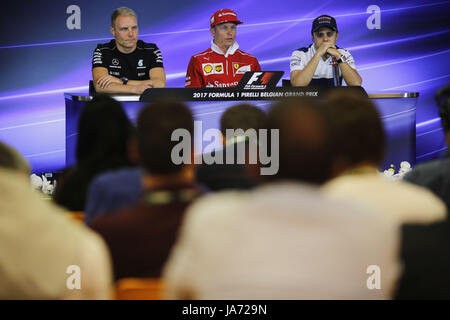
(398, 116)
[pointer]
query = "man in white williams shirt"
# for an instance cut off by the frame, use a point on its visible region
(323, 63)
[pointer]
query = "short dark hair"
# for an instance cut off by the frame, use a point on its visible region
(156, 123)
(443, 102)
(104, 131)
(303, 140)
(358, 134)
(243, 116)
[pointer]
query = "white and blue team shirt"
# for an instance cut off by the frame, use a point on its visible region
(323, 76)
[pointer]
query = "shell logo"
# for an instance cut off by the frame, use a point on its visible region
(208, 68)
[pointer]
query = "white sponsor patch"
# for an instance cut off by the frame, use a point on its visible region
(243, 69)
(212, 68)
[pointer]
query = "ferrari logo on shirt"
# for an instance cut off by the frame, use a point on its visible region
(212, 68)
(240, 69)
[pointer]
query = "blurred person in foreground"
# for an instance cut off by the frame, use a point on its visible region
(112, 191)
(40, 243)
(435, 175)
(115, 190)
(358, 151)
(11, 158)
(232, 171)
(426, 248)
(283, 240)
(140, 237)
(104, 137)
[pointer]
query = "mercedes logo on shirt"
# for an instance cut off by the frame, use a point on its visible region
(115, 61)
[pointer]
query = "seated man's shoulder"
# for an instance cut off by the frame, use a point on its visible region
(429, 170)
(125, 174)
(146, 45)
(304, 49)
(202, 54)
(122, 219)
(107, 46)
(243, 53)
(220, 202)
(299, 54)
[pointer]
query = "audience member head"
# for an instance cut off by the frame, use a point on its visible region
(303, 140)
(104, 133)
(156, 123)
(243, 116)
(10, 158)
(443, 102)
(358, 137)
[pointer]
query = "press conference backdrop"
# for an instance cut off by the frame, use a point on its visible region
(46, 49)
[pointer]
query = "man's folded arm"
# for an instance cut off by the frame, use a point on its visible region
(302, 78)
(158, 76)
(106, 83)
(350, 75)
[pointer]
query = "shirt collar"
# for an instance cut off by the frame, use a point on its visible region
(231, 50)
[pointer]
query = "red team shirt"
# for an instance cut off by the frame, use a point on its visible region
(213, 68)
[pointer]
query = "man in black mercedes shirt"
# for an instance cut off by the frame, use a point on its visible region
(126, 64)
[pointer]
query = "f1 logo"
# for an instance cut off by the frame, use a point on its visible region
(266, 77)
(264, 80)
(259, 80)
(254, 77)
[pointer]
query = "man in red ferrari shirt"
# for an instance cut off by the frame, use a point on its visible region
(222, 65)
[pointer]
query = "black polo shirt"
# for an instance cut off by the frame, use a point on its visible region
(134, 66)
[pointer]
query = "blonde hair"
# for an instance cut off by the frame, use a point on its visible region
(122, 11)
